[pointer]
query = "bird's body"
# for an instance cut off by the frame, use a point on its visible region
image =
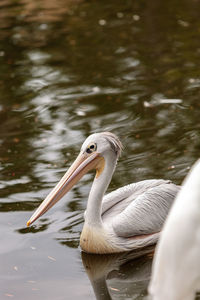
(128, 218)
(131, 217)
(176, 266)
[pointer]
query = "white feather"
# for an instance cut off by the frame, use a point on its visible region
(176, 266)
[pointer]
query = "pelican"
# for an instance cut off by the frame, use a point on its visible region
(176, 265)
(130, 217)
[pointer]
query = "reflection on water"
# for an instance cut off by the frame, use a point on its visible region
(119, 276)
(69, 68)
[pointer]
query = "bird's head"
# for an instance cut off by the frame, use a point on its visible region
(102, 143)
(94, 152)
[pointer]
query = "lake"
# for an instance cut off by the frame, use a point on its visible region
(70, 68)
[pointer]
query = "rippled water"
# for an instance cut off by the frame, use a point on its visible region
(67, 69)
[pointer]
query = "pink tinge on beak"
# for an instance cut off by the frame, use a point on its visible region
(81, 166)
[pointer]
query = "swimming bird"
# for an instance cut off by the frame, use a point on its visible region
(130, 217)
(176, 265)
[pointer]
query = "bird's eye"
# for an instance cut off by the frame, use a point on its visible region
(91, 148)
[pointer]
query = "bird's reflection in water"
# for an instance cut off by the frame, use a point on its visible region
(119, 276)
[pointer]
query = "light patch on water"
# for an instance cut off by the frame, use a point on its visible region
(193, 83)
(21, 180)
(38, 57)
(128, 62)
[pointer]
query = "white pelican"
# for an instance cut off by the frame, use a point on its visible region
(176, 265)
(130, 217)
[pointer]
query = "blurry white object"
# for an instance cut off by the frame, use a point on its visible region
(176, 265)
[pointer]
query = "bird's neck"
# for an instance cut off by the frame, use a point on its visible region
(99, 187)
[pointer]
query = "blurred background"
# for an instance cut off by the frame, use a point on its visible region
(69, 68)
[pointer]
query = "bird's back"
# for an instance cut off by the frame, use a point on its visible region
(139, 208)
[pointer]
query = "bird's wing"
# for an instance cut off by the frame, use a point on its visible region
(143, 211)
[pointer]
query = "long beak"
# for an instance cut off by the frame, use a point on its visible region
(81, 166)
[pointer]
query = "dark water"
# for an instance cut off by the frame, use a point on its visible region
(67, 69)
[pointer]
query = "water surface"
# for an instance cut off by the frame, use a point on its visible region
(68, 69)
